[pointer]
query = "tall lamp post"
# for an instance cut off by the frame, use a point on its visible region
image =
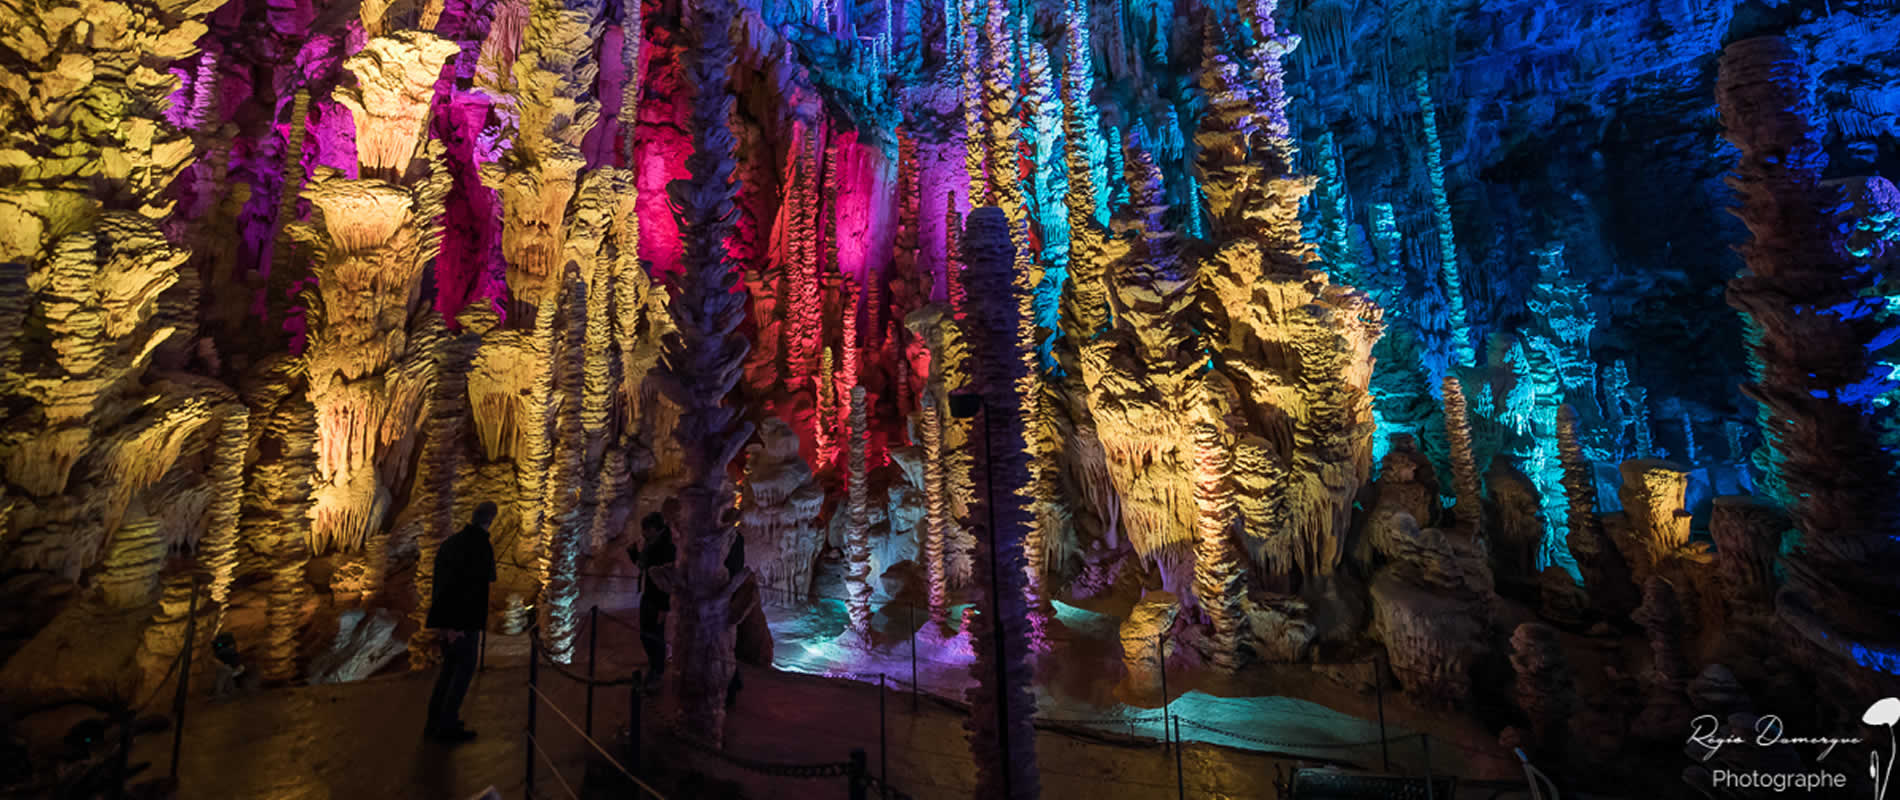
(964, 406)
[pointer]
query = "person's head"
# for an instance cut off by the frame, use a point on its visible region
(653, 524)
(671, 511)
(484, 515)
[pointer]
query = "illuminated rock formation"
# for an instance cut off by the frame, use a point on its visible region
(703, 361)
(778, 513)
(1653, 527)
(1605, 574)
(1462, 353)
(1464, 468)
(1004, 747)
(857, 542)
(552, 109)
(1219, 561)
(1432, 606)
(107, 463)
(369, 366)
(1811, 369)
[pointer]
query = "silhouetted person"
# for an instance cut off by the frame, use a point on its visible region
(654, 601)
(735, 564)
(464, 567)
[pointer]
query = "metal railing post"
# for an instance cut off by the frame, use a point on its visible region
(633, 720)
(534, 701)
(910, 619)
(1161, 656)
(1378, 691)
(593, 641)
(855, 774)
(883, 742)
(1180, 778)
(184, 683)
(1425, 741)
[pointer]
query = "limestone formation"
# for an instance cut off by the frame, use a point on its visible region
(1146, 646)
(1808, 368)
(1432, 606)
(704, 360)
(1748, 534)
(857, 542)
(1543, 690)
(1002, 736)
(778, 514)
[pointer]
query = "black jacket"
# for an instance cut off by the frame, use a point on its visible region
(464, 567)
(656, 554)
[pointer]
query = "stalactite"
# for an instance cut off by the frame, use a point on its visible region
(703, 364)
(1334, 217)
(1462, 353)
(1002, 129)
(857, 537)
(825, 427)
(1814, 371)
(1219, 572)
(1464, 470)
(1004, 748)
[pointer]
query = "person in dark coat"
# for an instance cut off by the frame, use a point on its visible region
(654, 601)
(735, 564)
(458, 611)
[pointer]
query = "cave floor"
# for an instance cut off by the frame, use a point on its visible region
(361, 741)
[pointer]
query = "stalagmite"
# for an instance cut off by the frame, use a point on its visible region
(1219, 571)
(1002, 720)
(1464, 471)
(857, 536)
(937, 516)
(703, 362)
(1462, 353)
(1605, 574)
(1810, 369)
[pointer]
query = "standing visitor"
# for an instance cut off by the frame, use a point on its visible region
(464, 567)
(654, 601)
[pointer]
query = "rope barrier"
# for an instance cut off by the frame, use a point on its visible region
(556, 708)
(552, 767)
